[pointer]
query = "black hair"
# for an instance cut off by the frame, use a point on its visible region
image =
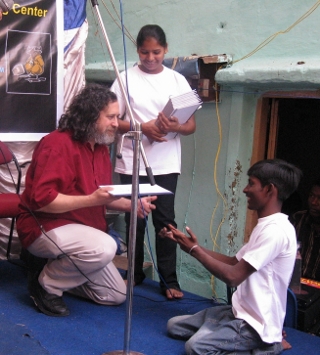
(283, 175)
(85, 109)
(153, 31)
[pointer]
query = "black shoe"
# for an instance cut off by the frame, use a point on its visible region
(47, 303)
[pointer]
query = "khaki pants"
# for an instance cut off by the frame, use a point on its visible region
(80, 261)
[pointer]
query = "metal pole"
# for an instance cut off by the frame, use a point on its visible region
(132, 238)
(136, 135)
(132, 245)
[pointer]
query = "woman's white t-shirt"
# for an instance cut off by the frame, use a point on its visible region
(148, 94)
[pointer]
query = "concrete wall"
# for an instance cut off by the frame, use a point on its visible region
(215, 159)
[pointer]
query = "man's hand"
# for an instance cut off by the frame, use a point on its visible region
(186, 243)
(145, 206)
(0, 15)
(65, 203)
(103, 197)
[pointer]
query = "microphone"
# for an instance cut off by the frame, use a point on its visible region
(6, 5)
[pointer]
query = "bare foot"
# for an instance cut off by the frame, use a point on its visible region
(284, 343)
(172, 294)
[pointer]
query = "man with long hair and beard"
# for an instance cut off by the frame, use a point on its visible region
(63, 206)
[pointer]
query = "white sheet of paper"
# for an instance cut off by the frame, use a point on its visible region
(144, 189)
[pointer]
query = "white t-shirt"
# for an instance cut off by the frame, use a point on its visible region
(148, 94)
(261, 299)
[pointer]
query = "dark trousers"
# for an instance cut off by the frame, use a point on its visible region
(166, 249)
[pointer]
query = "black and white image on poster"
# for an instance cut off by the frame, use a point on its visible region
(26, 63)
(30, 59)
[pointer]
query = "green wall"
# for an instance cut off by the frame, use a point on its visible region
(215, 159)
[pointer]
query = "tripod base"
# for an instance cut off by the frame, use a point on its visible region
(122, 352)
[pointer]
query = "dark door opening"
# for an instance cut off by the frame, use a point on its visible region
(287, 126)
(298, 141)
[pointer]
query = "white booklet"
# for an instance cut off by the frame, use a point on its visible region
(183, 107)
(144, 189)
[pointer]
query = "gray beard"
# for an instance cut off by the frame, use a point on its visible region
(101, 138)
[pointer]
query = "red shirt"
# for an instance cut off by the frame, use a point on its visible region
(62, 165)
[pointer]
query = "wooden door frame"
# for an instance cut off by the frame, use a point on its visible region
(266, 132)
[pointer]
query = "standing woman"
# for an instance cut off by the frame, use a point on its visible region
(149, 86)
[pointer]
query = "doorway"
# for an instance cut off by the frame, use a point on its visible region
(288, 127)
(298, 140)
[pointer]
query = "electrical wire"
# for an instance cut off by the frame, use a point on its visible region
(125, 61)
(65, 254)
(187, 300)
(98, 35)
(151, 253)
(220, 195)
(131, 127)
(189, 199)
(48, 237)
(272, 37)
(263, 44)
(184, 300)
(148, 244)
(9, 170)
(126, 31)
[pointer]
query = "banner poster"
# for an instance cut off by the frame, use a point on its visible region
(30, 90)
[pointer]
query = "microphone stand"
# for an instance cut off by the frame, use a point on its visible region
(136, 135)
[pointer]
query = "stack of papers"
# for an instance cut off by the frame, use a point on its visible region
(144, 189)
(182, 107)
